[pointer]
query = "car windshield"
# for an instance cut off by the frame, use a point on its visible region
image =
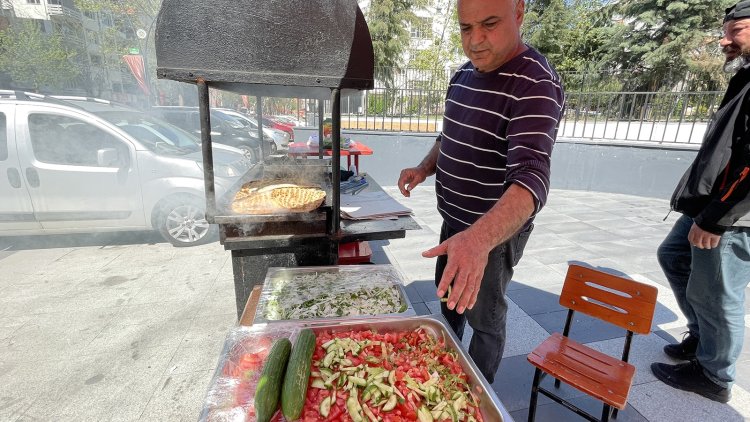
(155, 134)
(232, 121)
(247, 122)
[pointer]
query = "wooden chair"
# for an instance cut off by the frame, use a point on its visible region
(625, 303)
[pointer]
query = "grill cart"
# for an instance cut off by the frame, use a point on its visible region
(251, 47)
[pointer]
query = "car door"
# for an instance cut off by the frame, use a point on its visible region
(81, 173)
(16, 210)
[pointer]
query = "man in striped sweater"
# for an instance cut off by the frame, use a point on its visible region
(492, 168)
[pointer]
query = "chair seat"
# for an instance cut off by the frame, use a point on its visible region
(601, 376)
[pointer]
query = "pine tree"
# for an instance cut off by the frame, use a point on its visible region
(389, 21)
(658, 41)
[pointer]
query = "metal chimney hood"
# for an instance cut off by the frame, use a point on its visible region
(290, 48)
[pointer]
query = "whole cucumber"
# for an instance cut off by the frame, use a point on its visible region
(294, 389)
(269, 386)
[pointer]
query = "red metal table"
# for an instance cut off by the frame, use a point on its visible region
(301, 149)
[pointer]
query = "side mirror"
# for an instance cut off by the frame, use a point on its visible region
(107, 157)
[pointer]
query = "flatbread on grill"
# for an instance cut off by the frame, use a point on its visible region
(277, 196)
(298, 198)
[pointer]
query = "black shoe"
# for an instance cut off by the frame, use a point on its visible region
(689, 376)
(685, 350)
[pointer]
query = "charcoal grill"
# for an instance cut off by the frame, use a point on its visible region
(259, 48)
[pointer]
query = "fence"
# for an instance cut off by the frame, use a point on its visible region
(658, 117)
(414, 102)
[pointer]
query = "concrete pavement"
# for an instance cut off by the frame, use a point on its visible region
(124, 327)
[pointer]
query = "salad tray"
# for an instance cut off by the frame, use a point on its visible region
(230, 397)
(330, 293)
(490, 406)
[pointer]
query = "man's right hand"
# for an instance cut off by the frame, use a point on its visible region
(410, 178)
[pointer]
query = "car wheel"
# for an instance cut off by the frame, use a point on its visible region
(249, 153)
(182, 222)
(274, 148)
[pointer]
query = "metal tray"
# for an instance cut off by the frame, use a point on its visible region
(490, 406)
(275, 274)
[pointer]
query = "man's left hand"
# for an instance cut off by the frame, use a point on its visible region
(467, 259)
(702, 239)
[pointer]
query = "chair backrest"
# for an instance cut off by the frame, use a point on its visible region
(617, 300)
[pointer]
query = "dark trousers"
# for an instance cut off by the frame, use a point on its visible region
(487, 318)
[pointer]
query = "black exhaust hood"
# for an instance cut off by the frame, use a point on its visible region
(290, 48)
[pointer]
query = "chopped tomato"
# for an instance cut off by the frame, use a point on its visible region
(409, 353)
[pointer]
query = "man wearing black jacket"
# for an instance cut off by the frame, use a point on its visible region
(706, 256)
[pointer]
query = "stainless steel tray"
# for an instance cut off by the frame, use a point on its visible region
(490, 406)
(275, 274)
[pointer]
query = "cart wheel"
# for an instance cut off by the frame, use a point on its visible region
(182, 222)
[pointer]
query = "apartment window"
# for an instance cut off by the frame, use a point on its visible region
(34, 1)
(422, 29)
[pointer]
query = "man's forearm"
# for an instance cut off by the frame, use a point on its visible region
(505, 218)
(429, 163)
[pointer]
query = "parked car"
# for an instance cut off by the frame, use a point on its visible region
(224, 129)
(289, 120)
(280, 138)
(76, 165)
(277, 124)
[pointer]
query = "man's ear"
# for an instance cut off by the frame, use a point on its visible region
(520, 9)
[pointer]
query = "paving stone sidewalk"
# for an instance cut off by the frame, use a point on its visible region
(123, 327)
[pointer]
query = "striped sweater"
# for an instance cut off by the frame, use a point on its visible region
(499, 128)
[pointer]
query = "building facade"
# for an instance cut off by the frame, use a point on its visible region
(96, 39)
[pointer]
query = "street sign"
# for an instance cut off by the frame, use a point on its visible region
(134, 51)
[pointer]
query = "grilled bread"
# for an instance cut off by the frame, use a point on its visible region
(278, 196)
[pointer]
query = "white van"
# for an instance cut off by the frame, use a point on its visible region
(73, 165)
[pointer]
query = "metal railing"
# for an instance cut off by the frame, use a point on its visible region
(655, 117)
(416, 104)
(54, 9)
(660, 117)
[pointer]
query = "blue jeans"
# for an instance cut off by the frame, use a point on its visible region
(487, 318)
(709, 285)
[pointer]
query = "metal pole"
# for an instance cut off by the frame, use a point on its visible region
(259, 117)
(146, 76)
(320, 128)
(336, 159)
(208, 156)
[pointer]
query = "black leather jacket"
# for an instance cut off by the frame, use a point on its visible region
(714, 189)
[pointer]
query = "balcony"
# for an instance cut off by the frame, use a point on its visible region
(55, 9)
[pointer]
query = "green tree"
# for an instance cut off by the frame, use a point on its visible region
(34, 59)
(659, 41)
(389, 21)
(129, 16)
(567, 32)
(444, 48)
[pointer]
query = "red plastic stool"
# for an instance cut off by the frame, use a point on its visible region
(354, 253)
